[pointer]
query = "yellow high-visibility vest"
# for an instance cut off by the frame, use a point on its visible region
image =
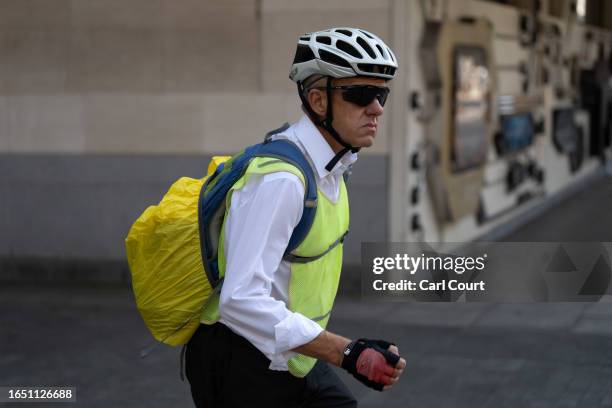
(313, 285)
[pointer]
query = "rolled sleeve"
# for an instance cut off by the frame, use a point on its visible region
(293, 331)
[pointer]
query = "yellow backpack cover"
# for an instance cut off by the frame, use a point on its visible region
(164, 255)
(173, 247)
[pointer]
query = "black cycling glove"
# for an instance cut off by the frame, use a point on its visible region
(370, 362)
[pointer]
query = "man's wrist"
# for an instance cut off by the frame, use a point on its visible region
(339, 346)
(345, 350)
(326, 346)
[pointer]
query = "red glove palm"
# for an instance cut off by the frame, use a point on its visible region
(373, 365)
(370, 362)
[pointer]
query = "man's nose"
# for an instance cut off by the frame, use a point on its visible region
(375, 108)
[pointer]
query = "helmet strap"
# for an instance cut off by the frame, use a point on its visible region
(326, 123)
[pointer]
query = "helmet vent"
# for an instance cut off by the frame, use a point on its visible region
(345, 32)
(304, 38)
(333, 59)
(384, 54)
(377, 69)
(303, 53)
(348, 48)
(366, 47)
(391, 55)
(366, 34)
(324, 40)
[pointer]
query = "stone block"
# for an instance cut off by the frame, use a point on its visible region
(35, 14)
(323, 6)
(233, 121)
(211, 46)
(115, 60)
(45, 123)
(144, 123)
(117, 14)
(216, 58)
(199, 14)
(34, 61)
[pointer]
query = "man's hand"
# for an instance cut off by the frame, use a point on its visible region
(398, 369)
(375, 363)
(381, 366)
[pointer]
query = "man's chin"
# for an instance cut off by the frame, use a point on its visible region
(366, 141)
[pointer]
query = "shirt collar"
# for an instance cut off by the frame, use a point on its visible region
(319, 151)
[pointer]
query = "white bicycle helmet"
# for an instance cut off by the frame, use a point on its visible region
(341, 53)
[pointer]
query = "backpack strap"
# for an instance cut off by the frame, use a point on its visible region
(211, 209)
(296, 157)
(271, 133)
(287, 151)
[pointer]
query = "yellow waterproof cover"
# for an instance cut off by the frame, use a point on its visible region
(164, 255)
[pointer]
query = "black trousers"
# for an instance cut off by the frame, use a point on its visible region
(226, 370)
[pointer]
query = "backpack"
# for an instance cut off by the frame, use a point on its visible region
(172, 248)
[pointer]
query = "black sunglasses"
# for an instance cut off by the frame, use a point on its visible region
(363, 95)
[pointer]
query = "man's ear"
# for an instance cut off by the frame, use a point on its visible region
(318, 101)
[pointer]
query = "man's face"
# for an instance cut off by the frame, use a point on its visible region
(358, 125)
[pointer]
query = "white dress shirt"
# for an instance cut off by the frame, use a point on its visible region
(261, 219)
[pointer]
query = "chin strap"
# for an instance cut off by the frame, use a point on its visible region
(327, 124)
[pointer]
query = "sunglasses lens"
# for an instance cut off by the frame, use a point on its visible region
(382, 96)
(364, 95)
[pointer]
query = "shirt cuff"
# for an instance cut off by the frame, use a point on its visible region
(293, 331)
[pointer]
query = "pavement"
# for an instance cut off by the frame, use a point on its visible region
(458, 355)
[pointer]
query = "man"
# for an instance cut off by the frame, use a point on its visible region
(264, 343)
